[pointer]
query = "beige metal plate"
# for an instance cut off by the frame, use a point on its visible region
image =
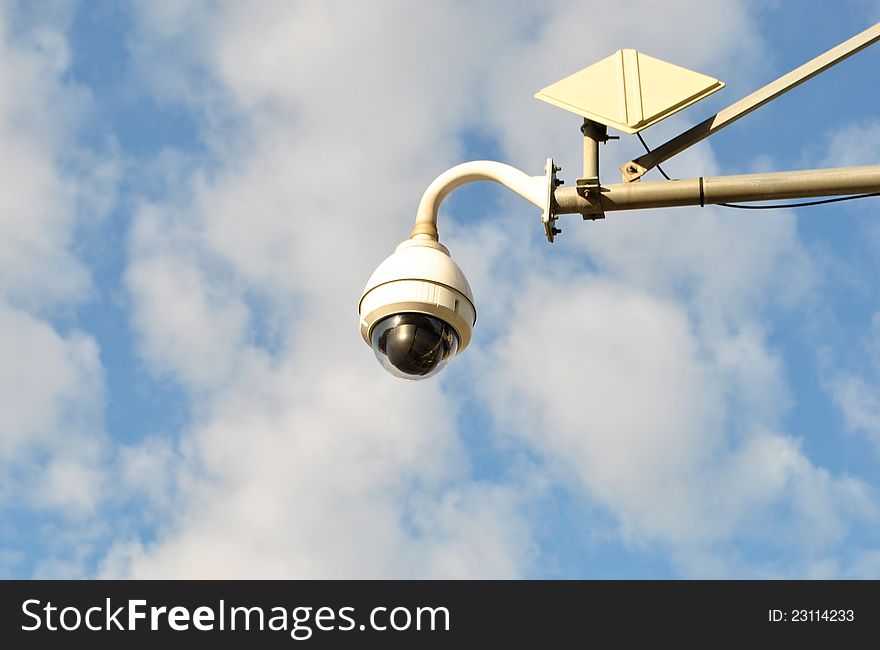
(629, 90)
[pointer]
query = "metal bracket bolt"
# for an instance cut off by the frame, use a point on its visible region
(589, 188)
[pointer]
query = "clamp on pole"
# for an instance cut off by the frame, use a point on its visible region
(588, 186)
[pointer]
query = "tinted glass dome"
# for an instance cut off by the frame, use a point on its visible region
(413, 346)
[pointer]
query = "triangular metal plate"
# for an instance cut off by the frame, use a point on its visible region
(629, 90)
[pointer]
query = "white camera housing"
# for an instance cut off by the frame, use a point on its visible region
(419, 278)
(417, 310)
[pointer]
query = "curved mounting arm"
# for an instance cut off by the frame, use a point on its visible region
(535, 189)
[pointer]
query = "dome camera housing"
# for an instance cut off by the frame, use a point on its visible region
(417, 310)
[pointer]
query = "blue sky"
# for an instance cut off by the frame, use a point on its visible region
(195, 193)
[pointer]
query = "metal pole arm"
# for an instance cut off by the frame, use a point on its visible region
(635, 169)
(718, 189)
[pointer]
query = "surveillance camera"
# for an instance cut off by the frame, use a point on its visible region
(417, 310)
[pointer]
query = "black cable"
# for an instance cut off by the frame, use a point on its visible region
(775, 206)
(645, 145)
(798, 205)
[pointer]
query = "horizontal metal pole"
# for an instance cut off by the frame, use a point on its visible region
(719, 189)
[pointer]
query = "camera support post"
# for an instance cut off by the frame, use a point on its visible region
(588, 186)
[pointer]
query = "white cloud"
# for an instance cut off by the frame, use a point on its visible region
(659, 428)
(190, 321)
(245, 284)
(321, 478)
(50, 398)
(148, 468)
(855, 390)
(51, 381)
(853, 145)
(854, 386)
(858, 400)
(35, 233)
